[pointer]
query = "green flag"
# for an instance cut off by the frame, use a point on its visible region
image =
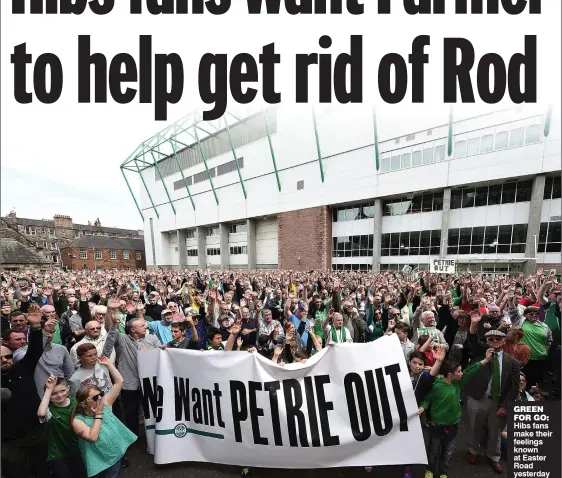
(450, 139)
(547, 121)
(376, 139)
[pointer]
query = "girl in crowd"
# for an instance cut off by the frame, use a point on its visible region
(55, 411)
(103, 439)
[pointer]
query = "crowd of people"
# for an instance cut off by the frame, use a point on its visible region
(70, 343)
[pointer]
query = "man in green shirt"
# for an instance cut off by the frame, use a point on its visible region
(445, 410)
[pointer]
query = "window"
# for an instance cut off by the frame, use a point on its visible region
(212, 231)
(83, 254)
(238, 228)
(98, 255)
(440, 153)
(524, 191)
(488, 240)
(192, 252)
(213, 251)
(468, 196)
(477, 244)
(504, 239)
(413, 204)
(460, 149)
(406, 160)
(237, 250)
(508, 193)
(516, 137)
(473, 146)
(438, 201)
(139, 256)
(52, 233)
(190, 234)
(465, 236)
(501, 140)
(549, 237)
(487, 143)
(351, 267)
(518, 238)
(126, 255)
(113, 255)
(385, 165)
(417, 158)
(395, 161)
(31, 231)
(413, 243)
(552, 187)
(456, 198)
(481, 196)
(353, 213)
(55, 259)
(428, 156)
(494, 194)
(351, 246)
(533, 133)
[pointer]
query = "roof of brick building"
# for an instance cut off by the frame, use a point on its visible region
(14, 252)
(22, 221)
(104, 242)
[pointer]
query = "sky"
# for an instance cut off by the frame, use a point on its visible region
(64, 158)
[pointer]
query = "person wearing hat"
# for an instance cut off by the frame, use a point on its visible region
(538, 336)
(492, 387)
(195, 315)
(163, 328)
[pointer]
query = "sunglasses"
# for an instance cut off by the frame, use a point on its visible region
(95, 398)
(495, 339)
(95, 328)
(8, 356)
(533, 314)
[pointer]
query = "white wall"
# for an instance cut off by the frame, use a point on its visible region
(353, 228)
(425, 221)
(346, 141)
(500, 214)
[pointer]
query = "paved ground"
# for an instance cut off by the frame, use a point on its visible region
(142, 466)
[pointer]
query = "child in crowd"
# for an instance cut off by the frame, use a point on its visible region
(425, 346)
(443, 401)
(179, 341)
(55, 410)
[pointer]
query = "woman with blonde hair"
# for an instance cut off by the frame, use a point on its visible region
(103, 439)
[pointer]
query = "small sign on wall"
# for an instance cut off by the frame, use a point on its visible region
(443, 266)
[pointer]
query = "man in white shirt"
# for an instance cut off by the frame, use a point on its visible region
(96, 335)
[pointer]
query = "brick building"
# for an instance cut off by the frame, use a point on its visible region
(305, 239)
(49, 237)
(99, 252)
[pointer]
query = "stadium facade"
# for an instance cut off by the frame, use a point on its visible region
(307, 194)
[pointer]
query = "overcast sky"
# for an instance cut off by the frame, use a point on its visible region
(64, 158)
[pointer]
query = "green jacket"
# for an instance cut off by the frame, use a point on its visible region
(444, 399)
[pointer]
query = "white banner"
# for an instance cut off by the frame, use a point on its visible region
(443, 266)
(350, 405)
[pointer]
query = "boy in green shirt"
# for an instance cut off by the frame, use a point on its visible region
(444, 402)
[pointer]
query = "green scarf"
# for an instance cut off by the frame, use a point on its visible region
(335, 335)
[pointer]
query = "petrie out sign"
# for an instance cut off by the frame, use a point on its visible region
(350, 405)
(443, 266)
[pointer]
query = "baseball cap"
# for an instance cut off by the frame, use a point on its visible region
(497, 333)
(165, 312)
